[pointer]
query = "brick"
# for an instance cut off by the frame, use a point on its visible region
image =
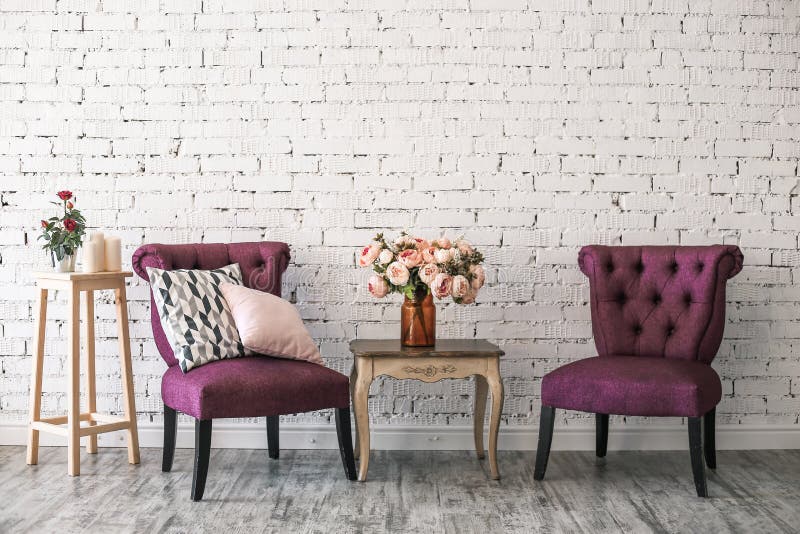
(533, 128)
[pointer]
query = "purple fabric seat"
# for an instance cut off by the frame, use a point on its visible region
(254, 386)
(632, 385)
(658, 316)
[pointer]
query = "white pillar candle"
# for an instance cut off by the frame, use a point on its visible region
(97, 237)
(92, 257)
(113, 253)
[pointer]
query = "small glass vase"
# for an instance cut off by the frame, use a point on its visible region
(65, 264)
(418, 320)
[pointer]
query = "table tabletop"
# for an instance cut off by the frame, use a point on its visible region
(444, 348)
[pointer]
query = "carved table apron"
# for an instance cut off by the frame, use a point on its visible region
(449, 358)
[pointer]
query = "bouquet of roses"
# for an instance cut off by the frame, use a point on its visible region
(415, 266)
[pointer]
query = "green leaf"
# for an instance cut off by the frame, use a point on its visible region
(408, 291)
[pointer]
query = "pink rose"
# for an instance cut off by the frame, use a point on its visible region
(464, 247)
(405, 241)
(443, 242)
(428, 254)
(397, 273)
(441, 285)
(428, 272)
(385, 257)
(442, 255)
(469, 298)
(478, 276)
(368, 255)
(377, 286)
(421, 243)
(410, 257)
(459, 287)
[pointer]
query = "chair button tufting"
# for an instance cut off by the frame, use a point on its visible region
(621, 298)
(670, 331)
(674, 267)
(657, 300)
(700, 267)
(639, 267)
(637, 330)
(687, 299)
(610, 268)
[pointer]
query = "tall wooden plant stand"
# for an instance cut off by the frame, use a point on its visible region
(96, 423)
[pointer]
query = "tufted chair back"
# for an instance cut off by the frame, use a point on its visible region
(663, 302)
(262, 267)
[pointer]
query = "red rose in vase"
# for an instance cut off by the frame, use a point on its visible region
(63, 233)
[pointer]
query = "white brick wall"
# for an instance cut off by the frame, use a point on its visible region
(533, 127)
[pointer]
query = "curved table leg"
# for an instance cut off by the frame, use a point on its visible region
(479, 414)
(496, 385)
(353, 378)
(361, 409)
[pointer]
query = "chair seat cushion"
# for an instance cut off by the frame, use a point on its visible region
(254, 387)
(633, 385)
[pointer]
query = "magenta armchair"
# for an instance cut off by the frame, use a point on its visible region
(658, 314)
(243, 387)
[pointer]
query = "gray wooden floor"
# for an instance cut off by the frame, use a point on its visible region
(415, 492)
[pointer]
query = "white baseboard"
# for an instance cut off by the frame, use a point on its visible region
(389, 437)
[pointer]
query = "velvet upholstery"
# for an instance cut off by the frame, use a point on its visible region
(243, 387)
(633, 385)
(659, 301)
(658, 315)
(262, 267)
(254, 387)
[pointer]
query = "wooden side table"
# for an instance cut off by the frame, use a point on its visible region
(449, 358)
(74, 284)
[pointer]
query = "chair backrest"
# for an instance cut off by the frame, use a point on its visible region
(664, 301)
(262, 264)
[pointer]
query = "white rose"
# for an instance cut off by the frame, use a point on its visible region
(442, 255)
(397, 273)
(385, 257)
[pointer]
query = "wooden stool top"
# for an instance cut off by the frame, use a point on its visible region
(81, 281)
(52, 275)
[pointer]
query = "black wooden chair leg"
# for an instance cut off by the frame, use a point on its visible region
(170, 427)
(696, 451)
(546, 421)
(202, 450)
(345, 442)
(273, 442)
(601, 434)
(709, 439)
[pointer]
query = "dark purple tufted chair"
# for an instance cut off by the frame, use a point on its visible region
(242, 387)
(658, 314)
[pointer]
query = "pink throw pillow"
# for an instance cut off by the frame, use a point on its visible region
(269, 325)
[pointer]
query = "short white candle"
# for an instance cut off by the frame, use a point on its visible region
(113, 253)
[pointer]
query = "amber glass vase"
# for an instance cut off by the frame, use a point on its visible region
(418, 320)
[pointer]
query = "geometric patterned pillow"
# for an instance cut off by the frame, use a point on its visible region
(195, 316)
